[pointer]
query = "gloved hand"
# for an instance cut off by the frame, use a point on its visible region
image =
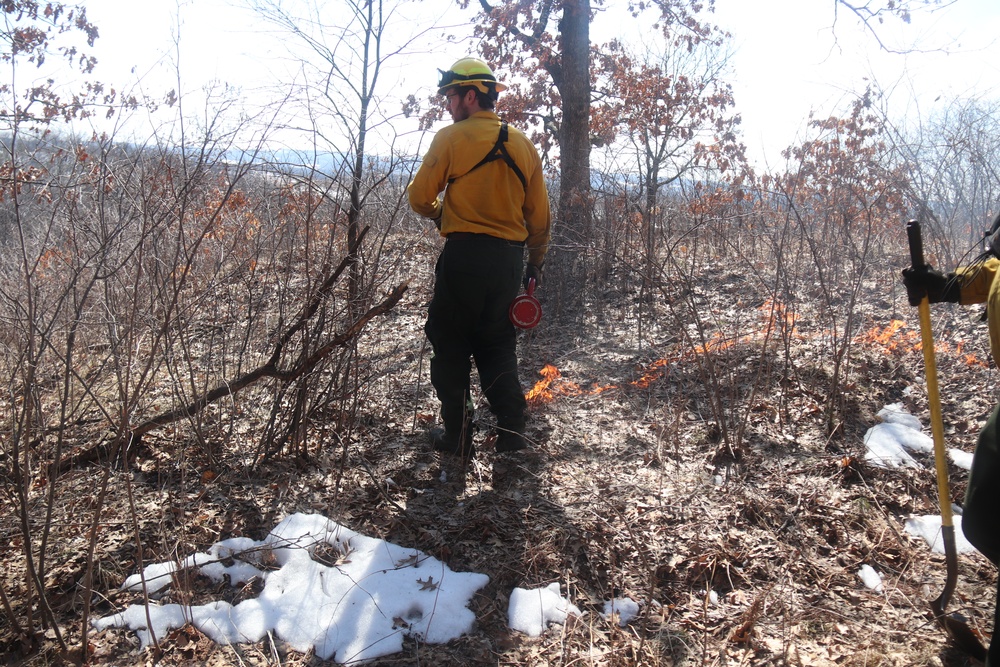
(439, 212)
(532, 271)
(925, 280)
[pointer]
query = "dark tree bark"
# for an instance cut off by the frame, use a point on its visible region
(573, 221)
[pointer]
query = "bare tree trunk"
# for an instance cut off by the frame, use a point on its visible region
(573, 223)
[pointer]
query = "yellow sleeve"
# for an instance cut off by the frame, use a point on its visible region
(429, 182)
(976, 281)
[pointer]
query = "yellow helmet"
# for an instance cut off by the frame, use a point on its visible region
(469, 72)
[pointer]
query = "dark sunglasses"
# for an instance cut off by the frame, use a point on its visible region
(448, 78)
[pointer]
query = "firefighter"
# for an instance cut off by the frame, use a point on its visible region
(981, 510)
(481, 182)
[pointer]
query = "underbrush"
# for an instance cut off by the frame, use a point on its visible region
(740, 550)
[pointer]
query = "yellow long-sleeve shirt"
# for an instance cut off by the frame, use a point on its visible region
(490, 199)
(978, 286)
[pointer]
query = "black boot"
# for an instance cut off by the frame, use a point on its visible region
(510, 441)
(454, 444)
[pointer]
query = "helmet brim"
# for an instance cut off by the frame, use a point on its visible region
(478, 85)
(483, 84)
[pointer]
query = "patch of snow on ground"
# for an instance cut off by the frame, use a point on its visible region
(626, 608)
(870, 578)
(348, 596)
(895, 413)
(884, 449)
(888, 444)
(530, 611)
(929, 529)
(960, 458)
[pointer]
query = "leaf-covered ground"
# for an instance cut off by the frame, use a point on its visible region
(745, 557)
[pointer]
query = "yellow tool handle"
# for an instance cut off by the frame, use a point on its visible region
(934, 400)
(933, 397)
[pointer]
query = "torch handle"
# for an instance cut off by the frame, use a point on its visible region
(916, 244)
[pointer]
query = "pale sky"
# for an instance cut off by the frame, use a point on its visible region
(788, 61)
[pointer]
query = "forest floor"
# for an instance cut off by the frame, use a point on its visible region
(740, 529)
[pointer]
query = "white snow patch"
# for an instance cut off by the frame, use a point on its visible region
(897, 414)
(626, 608)
(358, 608)
(885, 448)
(960, 458)
(530, 611)
(870, 578)
(157, 576)
(888, 445)
(929, 528)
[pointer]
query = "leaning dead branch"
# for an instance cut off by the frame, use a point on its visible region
(271, 369)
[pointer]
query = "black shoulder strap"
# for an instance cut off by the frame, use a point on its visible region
(993, 238)
(498, 152)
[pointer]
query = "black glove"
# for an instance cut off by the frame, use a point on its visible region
(935, 285)
(532, 271)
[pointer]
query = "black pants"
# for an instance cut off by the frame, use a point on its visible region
(981, 513)
(475, 282)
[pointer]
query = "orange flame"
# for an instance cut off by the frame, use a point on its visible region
(896, 338)
(653, 372)
(778, 314)
(552, 384)
(540, 392)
